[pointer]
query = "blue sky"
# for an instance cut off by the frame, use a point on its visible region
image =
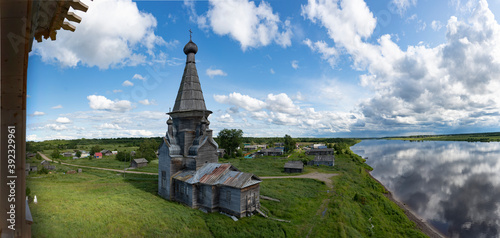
(317, 68)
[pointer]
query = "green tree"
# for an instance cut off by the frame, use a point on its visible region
(122, 156)
(55, 154)
(94, 149)
(78, 153)
(147, 149)
(230, 139)
(289, 144)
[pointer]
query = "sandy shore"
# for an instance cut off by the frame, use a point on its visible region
(421, 224)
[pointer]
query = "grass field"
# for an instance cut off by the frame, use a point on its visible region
(98, 203)
(109, 162)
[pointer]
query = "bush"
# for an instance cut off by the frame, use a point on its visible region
(122, 156)
(43, 171)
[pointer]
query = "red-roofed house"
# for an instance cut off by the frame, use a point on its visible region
(98, 155)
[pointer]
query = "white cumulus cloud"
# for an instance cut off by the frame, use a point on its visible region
(98, 102)
(138, 76)
(250, 24)
(127, 83)
(63, 120)
(37, 113)
(215, 72)
(110, 35)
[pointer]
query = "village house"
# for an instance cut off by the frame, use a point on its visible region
(250, 147)
(67, 154)
(294, 167)
(318, 146)
(221, 153)
(46, 165)
(320, 152)
(188, 168)
(114, 152)
(30, 155)
(271, 152)
(328, 160)
(106, 152)
(138, 163)
(98, 155)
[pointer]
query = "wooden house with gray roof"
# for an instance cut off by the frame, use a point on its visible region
(188, 168)
(323, 151)
(294, 167)
(328, 160)
(138, 163)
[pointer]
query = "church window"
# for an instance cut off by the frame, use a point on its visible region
(163, 179)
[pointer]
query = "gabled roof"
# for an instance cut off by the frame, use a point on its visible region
(98, 154)
(140, 160)
(324, 158)
(294, 165)
(218, 174)
(324, 149)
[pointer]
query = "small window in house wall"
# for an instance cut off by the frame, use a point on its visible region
(228, 196)
(163, 179)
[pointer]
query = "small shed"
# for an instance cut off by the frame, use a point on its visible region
(45, 162)
(221, 152)
(328, 160)
(294, 167)
(29, 154)
(67, 154)
(137, 163)
(114, 152)
(33, 168)
(98, 155)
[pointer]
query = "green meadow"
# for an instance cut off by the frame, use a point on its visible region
(99, 203)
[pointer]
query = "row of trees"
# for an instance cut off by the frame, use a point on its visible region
(231, 139)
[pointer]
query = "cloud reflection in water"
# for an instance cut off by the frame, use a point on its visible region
(453, 185)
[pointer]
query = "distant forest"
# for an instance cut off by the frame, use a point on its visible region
(470, 137)
(32, 146)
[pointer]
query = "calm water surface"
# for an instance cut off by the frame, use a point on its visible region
(455, 186)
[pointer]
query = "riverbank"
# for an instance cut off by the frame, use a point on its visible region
(422, 225)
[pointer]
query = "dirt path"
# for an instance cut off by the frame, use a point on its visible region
(90, 167)
(318, 176)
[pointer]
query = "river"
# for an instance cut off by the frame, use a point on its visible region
(454, 186)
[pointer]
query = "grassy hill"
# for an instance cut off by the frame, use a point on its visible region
(98, 203)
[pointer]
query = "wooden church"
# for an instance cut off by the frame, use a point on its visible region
(189, 171)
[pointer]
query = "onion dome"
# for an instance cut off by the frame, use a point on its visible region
(190, 47)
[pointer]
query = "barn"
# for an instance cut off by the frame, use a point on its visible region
(294, 167)
(138, 163)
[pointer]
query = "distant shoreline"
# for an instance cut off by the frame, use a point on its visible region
(419, 222)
